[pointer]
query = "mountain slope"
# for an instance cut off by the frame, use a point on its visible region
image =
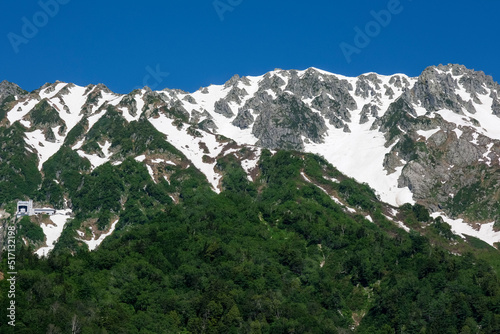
(431, 140)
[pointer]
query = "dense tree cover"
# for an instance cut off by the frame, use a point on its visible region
(30, 230)
(19, 175)
(278, 256)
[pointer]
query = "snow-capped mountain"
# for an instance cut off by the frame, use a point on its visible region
(432, 139)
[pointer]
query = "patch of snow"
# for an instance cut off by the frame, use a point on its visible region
(74, 102)
(96, 160)
(189, 146)
(427, 133)
(46, 93)
(403, 226)
(335, 199)
(140, 158)
(485, 233)
(13, 115)
(458, 132)
(250, 164)
(78, 144)
(488, 151)
(394, 212)
(475, 135)
(44, 148)
(365, 162)
(52, 233)
(150, 171)
(94, 243)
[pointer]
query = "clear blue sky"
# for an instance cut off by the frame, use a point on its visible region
(119, 43)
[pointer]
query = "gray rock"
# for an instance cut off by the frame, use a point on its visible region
(9, 88)
(389, 92)
(470, 107)
(367, 85)
(236, 94)
(129, 102)
(244, 119)
(222, 107)
(399, 82)
(233, 81)
(368, 109)
(190, 99)
(285, 122)
(208, 125)
(495, 107)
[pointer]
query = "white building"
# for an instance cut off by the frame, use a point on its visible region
(25, 208)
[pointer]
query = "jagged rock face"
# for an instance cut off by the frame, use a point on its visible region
(129, 102)
(9, 88)
(285, 122)
(365, 89)
(222, 107)
(244, 119)
(435, 90)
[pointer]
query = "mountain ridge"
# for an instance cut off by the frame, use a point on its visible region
(429, 139)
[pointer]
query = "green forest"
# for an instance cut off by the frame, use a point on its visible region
(273, 256)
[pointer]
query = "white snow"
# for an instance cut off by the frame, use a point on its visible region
(485, 233)
(474, 141)
(94, 243)
(360, 154)
(403, 226)
(78, 144)
(96, 160)
(52, 233)
(44, 148)
(140, 158)
(225, 128)
(150, 171)
(458, 132)
(45, 93)
(488, 151)
(139, 105)
(427, 133)
(335, 199)
(250, 164)
(189, 146)
(74, 101)
(13, 115)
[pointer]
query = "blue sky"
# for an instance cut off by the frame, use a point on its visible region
(188, 44)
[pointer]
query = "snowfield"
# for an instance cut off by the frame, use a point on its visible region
(53, 232)
(485, 232)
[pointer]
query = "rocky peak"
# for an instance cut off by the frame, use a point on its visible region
(8, 88)
(233, 81)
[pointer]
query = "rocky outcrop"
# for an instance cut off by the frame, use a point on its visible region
(244, 119)
(9, 88)
(285, 122)
(222, 107)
